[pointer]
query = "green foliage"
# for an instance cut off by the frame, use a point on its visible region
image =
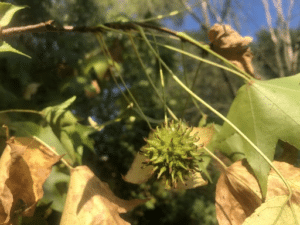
(56, 187)
(5, 47)
(7, 11)
(73, 136)
(265, 111)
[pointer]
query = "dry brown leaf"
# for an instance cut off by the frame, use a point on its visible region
(90, 201)
(205, 134)
(238, 193)
(93, 93)
(24, 166)
(228, 43)
(138, 172)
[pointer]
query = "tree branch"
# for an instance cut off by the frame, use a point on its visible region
(274, 38)
(49, 27)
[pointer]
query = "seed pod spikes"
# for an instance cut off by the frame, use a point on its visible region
(172, 151)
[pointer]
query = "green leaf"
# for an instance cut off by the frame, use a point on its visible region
(5, 47)
(232, 147)
(99, 63)
(72, 135)
(264, 111)
(57, 110)
(45, 133)
(7, 11)
(55, 189)
(268, 212)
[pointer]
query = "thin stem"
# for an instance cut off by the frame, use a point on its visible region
(135, 102)
(149, 78)
(208, 62)
(173, 13)
(181, 35)
(197, 43)
(104, 51)
(52, 150)
(123, 82)
(21, 111)
(192, 87)
(217, 113)
(161, 79)
(98, 127)
(185, 77)
(49, 27)
(215, 158)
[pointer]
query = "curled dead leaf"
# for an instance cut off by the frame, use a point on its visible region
(24, 166)
(90, 201)
(228, 43)
(238, 194)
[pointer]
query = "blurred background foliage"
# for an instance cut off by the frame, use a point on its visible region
(68, 64)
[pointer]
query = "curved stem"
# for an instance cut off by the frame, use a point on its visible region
(21, 111)
(215, 158)
(162, 80)
(123, 82)
(51, 149)
(208, 62)
(149, 79)
(217, 113)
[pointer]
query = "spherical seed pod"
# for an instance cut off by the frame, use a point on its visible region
(172, 151)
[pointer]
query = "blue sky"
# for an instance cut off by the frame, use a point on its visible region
(252, 16)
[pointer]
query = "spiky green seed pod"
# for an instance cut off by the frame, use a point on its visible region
(172, 151)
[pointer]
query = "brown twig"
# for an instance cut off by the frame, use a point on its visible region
(50, 27)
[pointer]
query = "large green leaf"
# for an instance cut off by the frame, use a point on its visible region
(264, 111)
(7, 11)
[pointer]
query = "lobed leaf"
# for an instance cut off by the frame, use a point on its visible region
(265, 111)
